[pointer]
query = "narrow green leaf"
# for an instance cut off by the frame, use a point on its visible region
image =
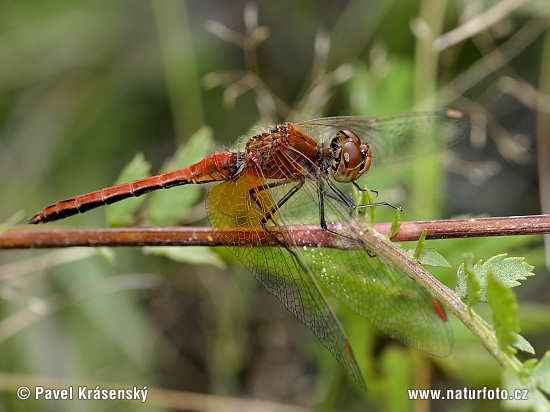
(505, 308)
(196, 255)
(361, 198)
(169, 207)
(123, 213)
(473, 286)
(461, 289)
(395, 224)
(523, 344)
(427, 256)
(12, 220)
(421, 245)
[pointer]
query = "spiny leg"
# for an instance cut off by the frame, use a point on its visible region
(351, 204)
(269, 214)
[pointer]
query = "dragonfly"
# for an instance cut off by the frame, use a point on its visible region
(293, 174)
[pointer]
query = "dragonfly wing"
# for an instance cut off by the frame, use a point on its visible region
(395, 138)
(368, 285)
(279, 270)
(385, 296)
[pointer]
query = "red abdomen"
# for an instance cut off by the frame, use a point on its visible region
(218, 167)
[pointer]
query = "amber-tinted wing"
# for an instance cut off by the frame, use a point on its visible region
(241, 203)
(368, 285)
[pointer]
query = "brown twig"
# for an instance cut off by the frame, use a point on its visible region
(24, 237)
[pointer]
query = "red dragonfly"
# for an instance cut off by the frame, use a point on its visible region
(288, 176)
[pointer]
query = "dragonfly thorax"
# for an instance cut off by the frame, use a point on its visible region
(351, 157)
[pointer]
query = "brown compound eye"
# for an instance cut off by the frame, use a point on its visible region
(352, 158)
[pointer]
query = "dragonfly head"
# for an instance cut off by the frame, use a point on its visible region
(351, 157)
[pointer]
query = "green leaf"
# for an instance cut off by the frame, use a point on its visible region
(541, 373)
(169, 207)
(196, 255)
(472, 282)
(361, 198)
(123, 213)
(395, 224)
(528, 367)
(427, 256)
(421, 245)
(431, 257)
(523, 395)
(505, 308)
(507, 270)
(107, 253)
(523, 344)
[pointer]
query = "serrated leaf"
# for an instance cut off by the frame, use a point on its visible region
(169, 207)
(123, 213)
(196, 255)
(505, 308)
(507, 270)
(541, 373)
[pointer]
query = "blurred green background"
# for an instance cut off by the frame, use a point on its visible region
(84, 86)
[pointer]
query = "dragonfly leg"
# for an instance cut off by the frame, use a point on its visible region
(269, 213)
(351, 204)
(362, 189)
(324, 225)
(383, 203)
(338, 194)
(322, 219)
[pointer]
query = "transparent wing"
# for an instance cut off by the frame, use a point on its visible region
(395, 138)
(366, 284)
(280, 270)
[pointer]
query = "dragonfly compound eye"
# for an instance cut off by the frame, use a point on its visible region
(352, 159)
